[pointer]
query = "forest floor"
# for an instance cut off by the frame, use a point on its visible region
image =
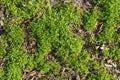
(59, 40)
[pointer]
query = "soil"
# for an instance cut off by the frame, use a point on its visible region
(32, 75)
(85, 5)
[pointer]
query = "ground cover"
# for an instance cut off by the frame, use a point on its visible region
(59, 40)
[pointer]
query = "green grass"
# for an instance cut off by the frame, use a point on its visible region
(50, 28)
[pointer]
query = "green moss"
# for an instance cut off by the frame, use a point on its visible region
(3, 46)
(110, 14)
(90, 20)
(113, 53)
(2, 73)
(55, 32)
(102, 75)
(50, 28)
(24, 9)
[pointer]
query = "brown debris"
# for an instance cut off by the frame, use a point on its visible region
(77, 30)
(2, 11)
(99, 28)
(118, 30)
(77, 76)
(3, 62)
(87, 34)
(112, 68)
(50, 57)
(1, 19)
(32, 75)
(85, 5)
(111, 63)
(4, 15)
(29, 45)
(91, 47)
(2, 31)
(69, 74)
(107, 45)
